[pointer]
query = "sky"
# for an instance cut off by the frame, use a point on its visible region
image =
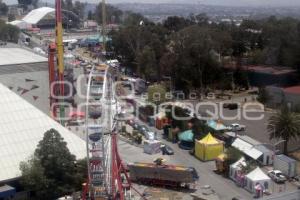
(208, 2)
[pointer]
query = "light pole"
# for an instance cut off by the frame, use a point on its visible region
(277, 143)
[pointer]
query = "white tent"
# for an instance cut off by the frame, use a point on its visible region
(247, 148)
(268, 154)
(34, 16)
(255, 178)
(235, 172)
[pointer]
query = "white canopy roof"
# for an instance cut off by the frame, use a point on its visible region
(247, 148)
(241, 161)
(34, 16)
(257, 174)
(22, 126)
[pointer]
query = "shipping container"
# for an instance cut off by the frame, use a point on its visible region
(286, 165)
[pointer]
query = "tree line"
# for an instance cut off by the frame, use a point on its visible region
(194, 51)
(77, 7)
(3, 8)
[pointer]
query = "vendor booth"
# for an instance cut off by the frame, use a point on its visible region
(236, 172)
(217, 126)
(257, 182)
(209, 148)
(186, 140)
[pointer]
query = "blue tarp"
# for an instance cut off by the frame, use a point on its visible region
(187, 136)
(217, 126)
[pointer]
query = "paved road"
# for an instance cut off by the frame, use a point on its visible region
(225, 188)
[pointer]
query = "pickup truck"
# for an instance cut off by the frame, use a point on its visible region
(236, 127)
(277, 176)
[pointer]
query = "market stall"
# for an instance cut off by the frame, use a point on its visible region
(186, 139)
(257, 181)
(209, 148)
(217, 126)
(236, 171)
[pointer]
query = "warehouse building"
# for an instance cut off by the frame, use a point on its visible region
(26, 74)
(288, 95)
(44, 17)
(22, 126)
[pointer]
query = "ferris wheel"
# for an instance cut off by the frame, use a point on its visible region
(107, 176)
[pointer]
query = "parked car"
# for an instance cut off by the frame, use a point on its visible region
(297, 178)
(167, 150)
(149, 135)
(238, 198)
(143, 129)
(136, 126)
(237, 127)
(233, 106)
(277, 176)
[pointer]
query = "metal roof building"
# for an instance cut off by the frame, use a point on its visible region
(22, 126)
(13, 56)
(45, 17)
(38, 14)
(26, 74)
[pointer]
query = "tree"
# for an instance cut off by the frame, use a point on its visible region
(157, 94)
(3, 8)
(51, 172)
(26, 3)
(284, 125)
(8, 32)
(68, 5)
(263, 96)
(11, 17)
(233, 155)
(33, 177)
(241, 78)
(113, 15)
(175, 23)
(90, 15)
(78, 9)
(147, 63)
(35, 3)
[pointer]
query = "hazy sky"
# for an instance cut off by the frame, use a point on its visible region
(210, 2)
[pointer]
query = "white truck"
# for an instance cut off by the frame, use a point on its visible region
(287, 165)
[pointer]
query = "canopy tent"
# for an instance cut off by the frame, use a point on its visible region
(187, 136)
(257, 180)
(208, 148)
(217, 126)
(235, 172)
(247, 148)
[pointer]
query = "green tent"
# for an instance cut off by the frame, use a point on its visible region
(187, 136)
